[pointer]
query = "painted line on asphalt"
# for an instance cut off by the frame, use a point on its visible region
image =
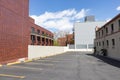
(34, 63)
(48, 60)
(22, 67)
(12, 76)
(55, 60)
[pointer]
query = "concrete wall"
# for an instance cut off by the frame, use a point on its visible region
(43, 51)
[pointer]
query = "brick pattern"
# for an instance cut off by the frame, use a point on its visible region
(15, 29)
(45, 40)
(14, 33)
(68, 39)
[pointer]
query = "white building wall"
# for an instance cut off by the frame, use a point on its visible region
(85, 32)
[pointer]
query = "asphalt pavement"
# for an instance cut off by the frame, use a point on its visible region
(67, 66)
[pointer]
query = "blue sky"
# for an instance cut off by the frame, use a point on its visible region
(61, 14)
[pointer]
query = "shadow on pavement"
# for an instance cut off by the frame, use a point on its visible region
(107, 60)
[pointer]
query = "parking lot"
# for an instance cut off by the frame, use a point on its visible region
(67, 66)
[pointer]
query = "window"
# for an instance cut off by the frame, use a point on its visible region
(119, 24)
(103, 43)
(42, 32)
(32, 29)
(112, 28)
(38, 39)
(107, 43)
(38, 31)
(32, 37)
(106, 30)
(113, 42)
(102, 33)
(99, 34)
(99, 43)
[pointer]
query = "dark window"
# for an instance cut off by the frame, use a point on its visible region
(113, 42)
(38, 38)
(99, 34)
(42, 32)
(102, 33)
(99, 43)
(112, 28)
(106, 30)
(38, 31)
(119, 24)
(107, 43)
(32, 37)
(103, 43)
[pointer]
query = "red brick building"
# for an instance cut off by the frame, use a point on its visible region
(39, 35)
(68, 39)
(17, 31)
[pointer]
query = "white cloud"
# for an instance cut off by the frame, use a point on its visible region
(118, 8)
(61, 20)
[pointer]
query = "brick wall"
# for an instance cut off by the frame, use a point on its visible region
(15, 30)
(14, 33)
(49, 37)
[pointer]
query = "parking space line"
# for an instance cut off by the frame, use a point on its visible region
(13, 76)
(22, 67)
(40, 63)
(49, 60)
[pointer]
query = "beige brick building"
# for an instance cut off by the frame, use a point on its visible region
(108, 38)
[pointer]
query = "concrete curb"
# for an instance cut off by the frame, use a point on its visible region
(0, 65)
(9, 64)
(28, 61)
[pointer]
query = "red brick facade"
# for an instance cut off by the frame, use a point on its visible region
(15, 30)
(68, 39)
(40, 36)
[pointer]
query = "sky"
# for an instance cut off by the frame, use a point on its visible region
(60, 15)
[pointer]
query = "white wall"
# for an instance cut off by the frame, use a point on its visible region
(85, 32)
(43, 51)
(35, 51)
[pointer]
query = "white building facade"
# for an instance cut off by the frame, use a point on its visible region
(108, 38)
(84, 34)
